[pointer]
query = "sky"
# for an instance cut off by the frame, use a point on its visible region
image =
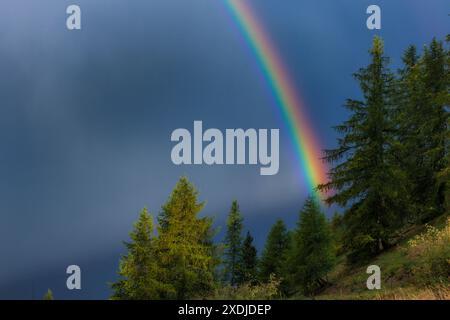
(86, 117)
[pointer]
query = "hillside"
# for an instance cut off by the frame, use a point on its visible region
(408, 270)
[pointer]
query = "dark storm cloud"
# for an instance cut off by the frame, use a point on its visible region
(85, 118)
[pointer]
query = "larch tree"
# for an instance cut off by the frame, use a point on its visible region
(186, 253)
(138, 269)
(366, 175)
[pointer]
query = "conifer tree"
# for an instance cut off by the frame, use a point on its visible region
(186, 255)
(366, 175)
(138, 268)
(423, 126)
(274, 255)
(407, 115)
(233, 244)
(435, 126)
(48, 295)
(248, 266)
(312, 252)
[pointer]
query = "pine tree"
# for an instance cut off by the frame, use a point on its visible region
(186, 254)
(366, 175)
(249, 261)
(312, 252)
(274, 255)
(233, 244)
(138, 269)
(48, 295)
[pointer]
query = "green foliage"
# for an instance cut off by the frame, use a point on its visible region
(393, 147)
(249, 260)
(366, 178)
(247, 291)
(180, 262)
(273, 259)
(233, 245)
(48, 295)
(138, 269)
(312, 253)
(423, 134)
(186, 254)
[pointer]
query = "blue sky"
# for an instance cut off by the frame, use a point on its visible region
(86, 117)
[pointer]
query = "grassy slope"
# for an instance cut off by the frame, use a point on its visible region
(398, 281)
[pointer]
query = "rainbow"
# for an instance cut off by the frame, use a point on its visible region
(293, 112)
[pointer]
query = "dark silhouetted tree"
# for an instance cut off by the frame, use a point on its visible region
(233, 244)
(249, 260)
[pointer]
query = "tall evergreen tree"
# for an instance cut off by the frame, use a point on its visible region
(249, 260)
(366, 175)
(138, 268)
(186, 253)
(423, 126)
(312, 252)
(407, 116)
(435, 125)
(233, 244)
(274, 255)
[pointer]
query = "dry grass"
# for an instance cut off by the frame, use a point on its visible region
(434, 293)
(418, 269)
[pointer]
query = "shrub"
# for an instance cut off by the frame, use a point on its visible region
(247, 291)
(431, 251)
